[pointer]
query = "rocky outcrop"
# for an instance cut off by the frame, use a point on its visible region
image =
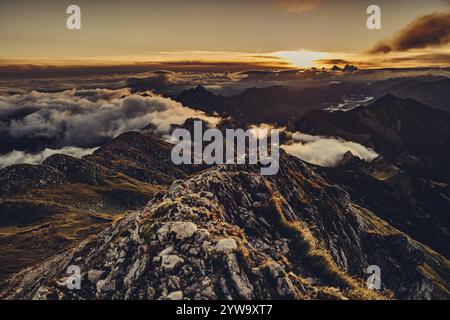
(229, 233)
(17, 178)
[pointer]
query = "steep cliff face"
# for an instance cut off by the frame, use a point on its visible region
(229, 233)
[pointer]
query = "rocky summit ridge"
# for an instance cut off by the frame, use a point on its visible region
(229, 233)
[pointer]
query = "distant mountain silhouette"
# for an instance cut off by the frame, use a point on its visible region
(382, 85)
(273, 104)
(202, 99)
(436, 94)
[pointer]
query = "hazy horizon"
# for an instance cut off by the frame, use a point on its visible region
(227, 36)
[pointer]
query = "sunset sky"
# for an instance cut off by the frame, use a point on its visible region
(263, 33)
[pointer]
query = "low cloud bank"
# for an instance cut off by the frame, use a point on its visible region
(17, 157)
(76, 121)
(83, 118)
(325, 151)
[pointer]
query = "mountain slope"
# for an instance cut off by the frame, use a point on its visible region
(409, 186)
(141, 157)
(399, 129)
(433, 93)
(414, 204)
(228, 232)
(46, 208)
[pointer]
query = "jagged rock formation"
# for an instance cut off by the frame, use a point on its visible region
(229, 233)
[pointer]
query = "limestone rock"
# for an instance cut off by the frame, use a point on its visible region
(224, 245)
(170, 262)
(176, 295)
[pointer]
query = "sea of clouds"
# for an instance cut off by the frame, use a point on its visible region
(81, 119)
(77, 121)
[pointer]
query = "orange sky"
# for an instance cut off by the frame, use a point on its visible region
(263, 33)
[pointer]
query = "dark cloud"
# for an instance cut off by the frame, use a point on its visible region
(431, 30)
(301, 6)
(381, 47)
(258, 56)
(334, 61)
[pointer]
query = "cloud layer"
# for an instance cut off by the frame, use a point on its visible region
(16, 157)
(325, 151)
(84, 118)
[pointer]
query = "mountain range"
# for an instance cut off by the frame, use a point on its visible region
(279, 104)
(229, 233)
(409, 184)
(434, 93)
(140, 227)
(274, 104)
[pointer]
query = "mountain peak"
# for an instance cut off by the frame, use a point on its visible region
(200, 88)
(388, 99)
(348, 159)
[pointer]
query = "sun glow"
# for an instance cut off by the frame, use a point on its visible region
(301, 58)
